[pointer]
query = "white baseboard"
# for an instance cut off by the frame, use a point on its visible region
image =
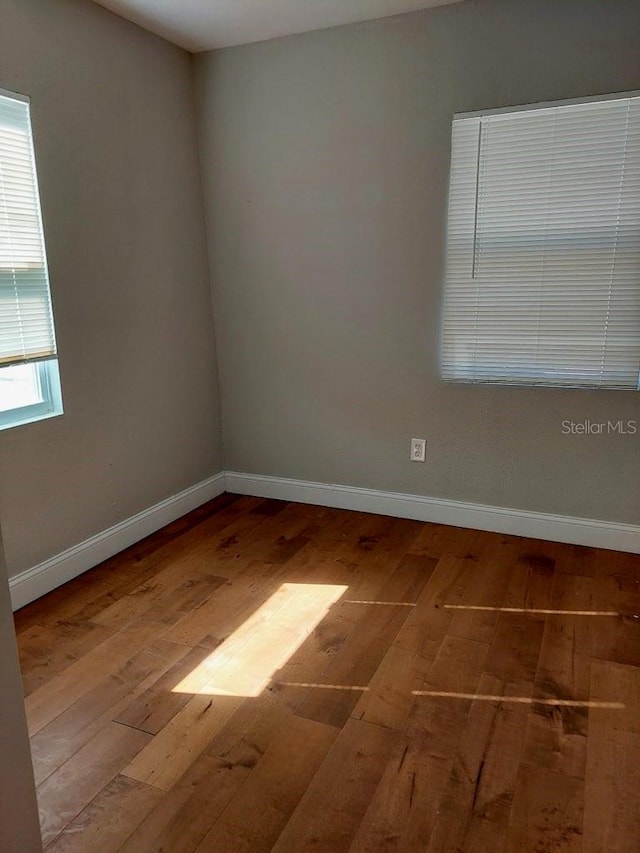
(46, 576)
(519, 522)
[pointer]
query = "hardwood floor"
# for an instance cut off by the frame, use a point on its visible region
(264, 676)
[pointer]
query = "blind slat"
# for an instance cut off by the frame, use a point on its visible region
(543, 252)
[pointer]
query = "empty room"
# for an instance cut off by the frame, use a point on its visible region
(320, 426)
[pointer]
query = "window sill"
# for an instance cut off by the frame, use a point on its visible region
(28, 419)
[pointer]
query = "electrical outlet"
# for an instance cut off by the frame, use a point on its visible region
(418, 449)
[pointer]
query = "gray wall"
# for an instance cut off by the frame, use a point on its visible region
(114, 125)
(19, 826)
(325, 162)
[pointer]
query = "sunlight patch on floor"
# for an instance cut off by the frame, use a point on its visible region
(245, 663)
(534, 610)
(390, 603)
(522, 700)
(322, 686)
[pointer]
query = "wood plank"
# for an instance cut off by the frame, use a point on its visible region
(58, 694)
(251, 580)
(616, 586)
(457, 668)
(434, 727)
(93, 591)
(81, 598)
(72, 729)
(46, 651)
(556, 737)
(475, 809)
(338, 543)
(71, 788)
(228, 607)
(375, 628)
(239, 668)
(256, 816)
(515, 648)
(209, 517)
(244, 664)
(612, 785)
(441, 540)
(486, 576)
(185, 814)
(388, 698)
(328, 815)
(534, 575)
(547, 811)
(254, 537)
(174, 749)
(402, 810)
(426, 626)
(151, 710)
(109, 819)
(169, 595)
(251, 730)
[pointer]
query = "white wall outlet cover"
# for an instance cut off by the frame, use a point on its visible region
(418, 449)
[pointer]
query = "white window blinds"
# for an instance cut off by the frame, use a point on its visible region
(26, 322)
(543, 251)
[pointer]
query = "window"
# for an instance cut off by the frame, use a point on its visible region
(543, 251)
(29, 379)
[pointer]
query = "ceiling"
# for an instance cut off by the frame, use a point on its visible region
(206, 24)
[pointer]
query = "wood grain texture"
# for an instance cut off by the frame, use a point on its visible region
(425, 710)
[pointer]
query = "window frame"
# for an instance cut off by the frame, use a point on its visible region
(49, 407)
(543, 105)
(48, 370)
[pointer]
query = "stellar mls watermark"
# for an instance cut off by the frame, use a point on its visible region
(588, 427)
